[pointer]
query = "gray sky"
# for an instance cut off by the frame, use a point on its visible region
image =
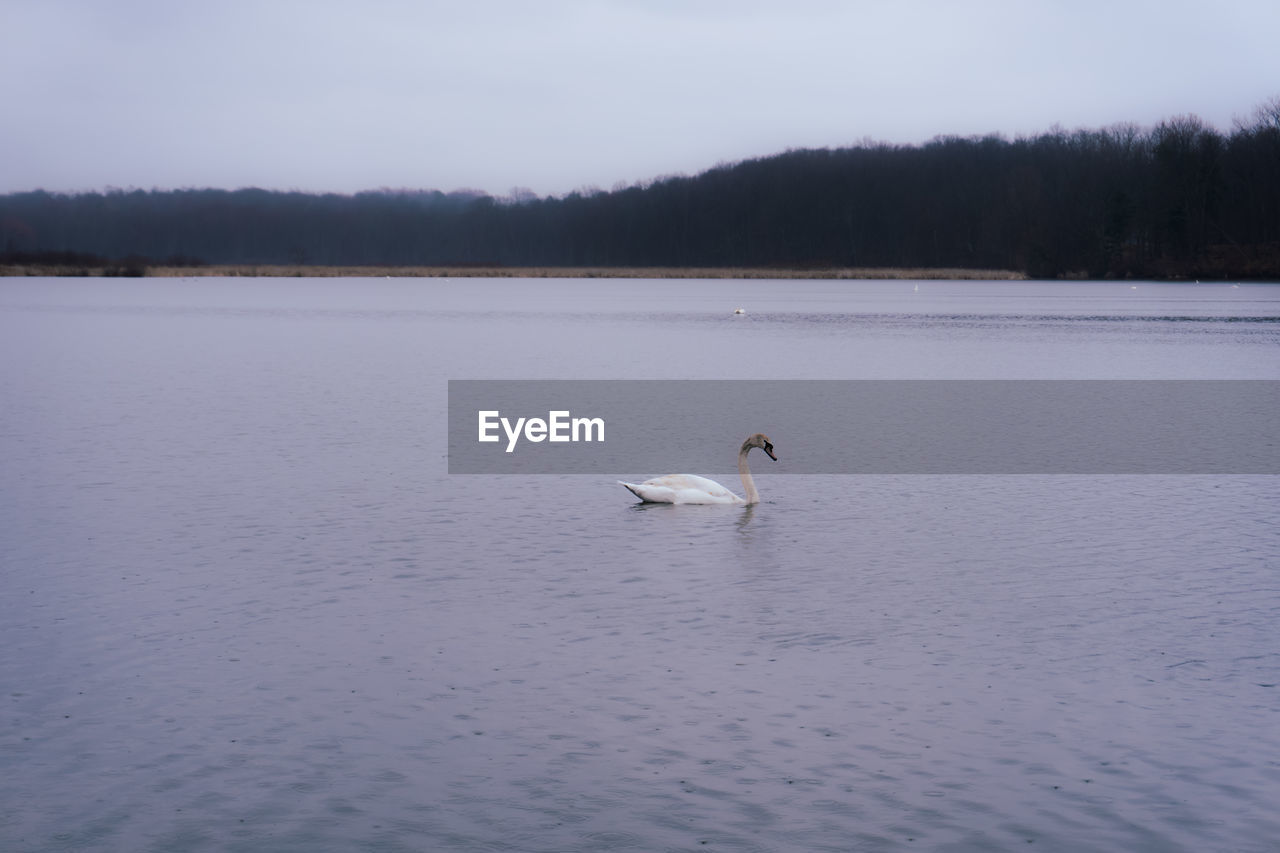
(553, 95)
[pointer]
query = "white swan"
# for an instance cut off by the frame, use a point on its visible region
(692, 489)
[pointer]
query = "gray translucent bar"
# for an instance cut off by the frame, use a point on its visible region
(653, 427)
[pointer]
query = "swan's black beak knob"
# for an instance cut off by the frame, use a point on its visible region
(768, 448)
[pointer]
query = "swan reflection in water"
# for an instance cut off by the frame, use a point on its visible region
(692, 489)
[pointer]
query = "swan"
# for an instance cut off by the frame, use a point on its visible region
(692, 489)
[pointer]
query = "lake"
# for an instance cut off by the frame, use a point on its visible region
(246, 608)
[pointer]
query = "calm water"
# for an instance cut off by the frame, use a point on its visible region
(244, 607)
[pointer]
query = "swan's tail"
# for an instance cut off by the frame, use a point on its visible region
(635, 490)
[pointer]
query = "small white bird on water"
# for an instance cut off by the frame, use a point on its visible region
(692, 489)
(738, 311)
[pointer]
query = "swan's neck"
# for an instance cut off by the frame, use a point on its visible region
(748, 484)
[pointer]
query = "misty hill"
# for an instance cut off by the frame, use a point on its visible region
(1180, 199)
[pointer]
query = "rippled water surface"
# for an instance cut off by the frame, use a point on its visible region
(244, 607)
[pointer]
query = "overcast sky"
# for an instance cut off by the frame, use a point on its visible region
(554, 95)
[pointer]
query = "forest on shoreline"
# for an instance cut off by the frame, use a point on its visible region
(1179, 200)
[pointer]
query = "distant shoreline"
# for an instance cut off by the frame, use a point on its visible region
(468, 271)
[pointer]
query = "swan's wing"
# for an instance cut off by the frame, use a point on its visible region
(651, 493)
(681, 482)
(682, 489)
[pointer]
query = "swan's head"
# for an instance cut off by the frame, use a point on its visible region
(761, 441)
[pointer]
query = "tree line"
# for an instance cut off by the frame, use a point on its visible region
(1180, 199)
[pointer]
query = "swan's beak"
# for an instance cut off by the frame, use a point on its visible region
(768, 448)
